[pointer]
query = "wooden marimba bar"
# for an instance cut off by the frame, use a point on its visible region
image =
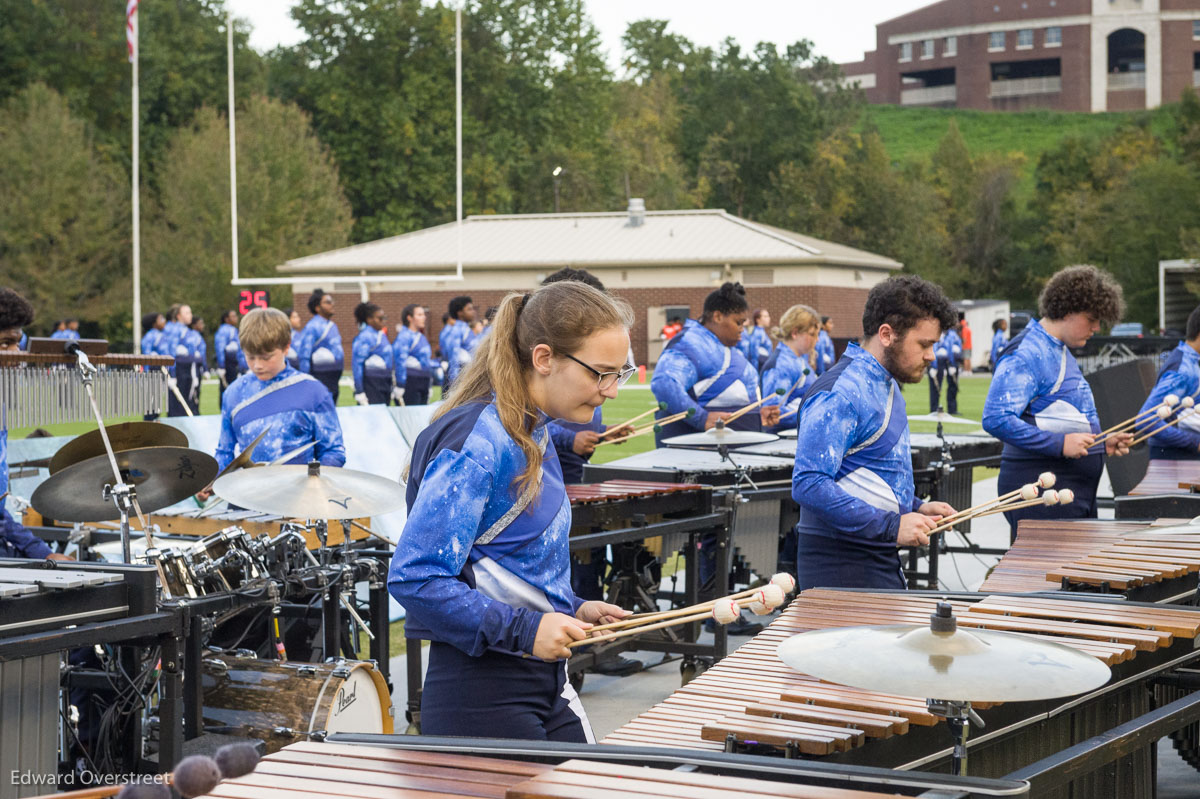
(751, 701)
(1129, 558)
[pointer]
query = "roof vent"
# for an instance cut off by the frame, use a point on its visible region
(637, 212)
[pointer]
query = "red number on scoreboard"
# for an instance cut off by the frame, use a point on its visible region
(249, 299)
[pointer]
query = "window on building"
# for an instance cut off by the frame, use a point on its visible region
(1024, 38)
(996, 41)
(1053, 37)
(906, 51)
(927, 48)
(1196, 29)
(951, 46)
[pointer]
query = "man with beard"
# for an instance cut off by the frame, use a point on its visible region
(853, 477)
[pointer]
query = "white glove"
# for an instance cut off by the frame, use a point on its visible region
(172, 384)
(361, 399)
(398, 395)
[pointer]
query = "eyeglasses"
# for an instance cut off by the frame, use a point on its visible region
(606, 380)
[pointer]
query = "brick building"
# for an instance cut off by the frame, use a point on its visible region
(1009, 55)
(660, 261)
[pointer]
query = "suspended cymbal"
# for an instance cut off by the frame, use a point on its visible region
(963, 665)
(243, 458)
(161, 476)
(305, 492)
(126, 435)
(719, 436)
(944, 418)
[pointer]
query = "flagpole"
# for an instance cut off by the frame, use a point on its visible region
(232, 149)
(458, 177)
(131, 32)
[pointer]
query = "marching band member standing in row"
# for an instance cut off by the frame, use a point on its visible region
(999, 341)
(413, 358)
(293, 355)
(790, 365)
(458, 347)
(371, 357)
(825, 352)
(948, 358)
(1039, 404)
(320, 349)
(853, 477)
(1180, 375)
(482, 567)
(756, 342)
(227, 350)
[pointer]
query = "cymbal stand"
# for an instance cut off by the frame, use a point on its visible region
(958, 716)
(121, 493)
(741, 474)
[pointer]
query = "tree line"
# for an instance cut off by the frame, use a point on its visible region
(348, 136)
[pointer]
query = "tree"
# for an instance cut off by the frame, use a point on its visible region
(289, 205)
(64, 212)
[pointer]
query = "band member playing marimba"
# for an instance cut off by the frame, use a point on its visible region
(790, 365)
(703, 369)
(482, 567)
(1180, 375)
(413, 357)
(1039, 404)
(294, 406)
(853, 477)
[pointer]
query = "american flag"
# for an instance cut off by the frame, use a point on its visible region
(130, 31)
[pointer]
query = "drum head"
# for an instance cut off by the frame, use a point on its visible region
(358, 703)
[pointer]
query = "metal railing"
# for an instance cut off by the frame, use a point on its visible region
(929, 95)
(1123, 81)
(1021, 87)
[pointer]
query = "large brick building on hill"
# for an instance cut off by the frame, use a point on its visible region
(1008, 55)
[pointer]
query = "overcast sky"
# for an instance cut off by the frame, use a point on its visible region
(841, 30)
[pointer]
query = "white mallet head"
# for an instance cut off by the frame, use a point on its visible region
(785, 581)
(1163, 413)
(1171, 400)
(1050, 498)
(1046, 479)
(1029, 491)
(758, 607)
(726, 611)
(1187, 402)
(773, 595)
(1065, 496)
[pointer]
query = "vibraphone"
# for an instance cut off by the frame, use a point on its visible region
(43, 388)
(751, 701)
(1169, 488)
(636, 518)
(381, 767)
(1141, 561)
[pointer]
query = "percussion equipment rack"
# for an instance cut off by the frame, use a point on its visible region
(1164, 491)
(777, 778)
(621, 512)
(81, 605)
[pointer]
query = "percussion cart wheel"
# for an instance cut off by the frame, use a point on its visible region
(692, 667)
(576, 680)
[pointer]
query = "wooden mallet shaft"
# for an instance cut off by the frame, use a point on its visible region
(650, 428)
(1179, 418)
(644, 618)
(1132, 420)
(662, 406)
(600, 639)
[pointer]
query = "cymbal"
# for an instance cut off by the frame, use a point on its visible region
(718, 436)
(944, 418)
(791, 432)
(311, 492)
(161, 476)
(243, 458)
(964, 665)
(126, 435)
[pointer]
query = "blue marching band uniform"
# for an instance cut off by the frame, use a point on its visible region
(944, 370)
(824, 352)
(15, 540)
(697, 371)
(785, 370)
(66, 334)
(413, 359)
(458, 350)
(293, 355)
(756, 345)
(853, 477)
(1038, 396)
(475, 569)
(191, 358)
(320, 353)
(371, 365)
(152, 342)
(1180, 375)
(999, 342)
(294, 406)
(227, 352)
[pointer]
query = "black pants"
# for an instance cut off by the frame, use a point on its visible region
(330, 381)
(416, 390)
(947, 376)
(378, 389)
(187, 380)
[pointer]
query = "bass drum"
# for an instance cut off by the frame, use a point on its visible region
(285, 702)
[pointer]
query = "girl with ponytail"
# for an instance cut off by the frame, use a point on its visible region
(790, 366)
(482, 567)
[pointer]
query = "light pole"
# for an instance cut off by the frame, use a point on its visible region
(557, 175)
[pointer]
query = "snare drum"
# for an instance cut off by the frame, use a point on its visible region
(282, 703)
(226, 560)
(178, 577)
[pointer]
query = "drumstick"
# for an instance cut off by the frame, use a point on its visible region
(662, 406)
(788, 393)
(778, 392)
(1179, 418)
(780, 583)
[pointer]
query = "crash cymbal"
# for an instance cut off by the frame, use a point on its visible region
(126, 435)
(161, 476)
(311, 492)
(243, 458)
(960, 665)
(944, 418)
(719, 436)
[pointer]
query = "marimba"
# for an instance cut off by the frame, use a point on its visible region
(382, 767)
(1087, 555)
(751, 701)
(1169, 488)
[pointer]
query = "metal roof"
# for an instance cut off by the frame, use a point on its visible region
(666, 238)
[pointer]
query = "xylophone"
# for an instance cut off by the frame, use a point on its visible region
(1167, 489)
(44, 388)
(751, 701)
(380, 767)
(1135, 559)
